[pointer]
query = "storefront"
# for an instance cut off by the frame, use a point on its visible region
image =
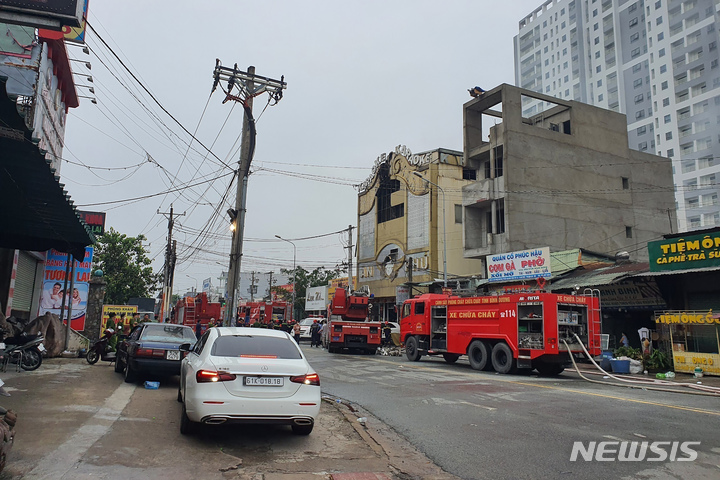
(695, 339)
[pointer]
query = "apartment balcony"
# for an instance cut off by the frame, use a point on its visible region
(478, 192)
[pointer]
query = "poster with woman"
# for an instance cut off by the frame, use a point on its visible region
(53, 293)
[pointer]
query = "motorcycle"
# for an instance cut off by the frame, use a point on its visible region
(23, 349)
(100, 350)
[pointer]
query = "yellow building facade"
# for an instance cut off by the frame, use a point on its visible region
(400, 220)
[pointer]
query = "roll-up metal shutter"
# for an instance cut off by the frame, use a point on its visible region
(24, 282)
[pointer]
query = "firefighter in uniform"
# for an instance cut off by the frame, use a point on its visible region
(387, 334)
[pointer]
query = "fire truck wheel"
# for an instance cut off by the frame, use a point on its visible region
(502, 358)
(451, 357)
(549, 369)
(478, 355)
(411, 349)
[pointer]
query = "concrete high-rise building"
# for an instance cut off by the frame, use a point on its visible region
(656, 61)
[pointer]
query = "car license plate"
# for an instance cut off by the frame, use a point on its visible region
(41, 347)
(264, 381)
(172, 355)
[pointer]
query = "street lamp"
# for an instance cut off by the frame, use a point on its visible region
(196, 283)
(417, 174)
(294, 273)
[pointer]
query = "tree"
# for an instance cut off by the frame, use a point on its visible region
(126, 267)
(304, 280)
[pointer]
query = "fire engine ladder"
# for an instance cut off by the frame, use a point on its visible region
(189, 312)
(595, 320)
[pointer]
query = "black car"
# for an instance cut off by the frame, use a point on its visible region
(153, 348)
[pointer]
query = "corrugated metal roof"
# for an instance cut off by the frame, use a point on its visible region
(678, 272)
(37, 214)
(591, 277)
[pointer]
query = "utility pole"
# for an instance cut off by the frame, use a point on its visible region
(249, 86)
(410, 274)
(252, 287)
(351, 283)
(270, 294)
(169, 270)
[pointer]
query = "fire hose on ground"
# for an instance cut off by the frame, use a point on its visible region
(645, 384)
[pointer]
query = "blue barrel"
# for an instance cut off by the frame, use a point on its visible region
(620, 366)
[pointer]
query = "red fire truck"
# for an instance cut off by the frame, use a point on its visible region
(189, 309)
(264, 312)
(348, 323)
(503, 332)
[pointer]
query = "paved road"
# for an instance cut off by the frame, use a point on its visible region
(77, 421)
(481, 425)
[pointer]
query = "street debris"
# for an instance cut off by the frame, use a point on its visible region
(391, 351)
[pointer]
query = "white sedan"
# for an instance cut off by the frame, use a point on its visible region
(247, 375)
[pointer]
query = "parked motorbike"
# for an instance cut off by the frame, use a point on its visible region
(24, 350)
(21, 348)
(100, 350)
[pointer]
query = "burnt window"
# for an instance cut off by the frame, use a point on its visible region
(500, 216)
(628, 232)
(566, 127)
(387, 211)
(486, 166)
(498, 161)
(469, 174)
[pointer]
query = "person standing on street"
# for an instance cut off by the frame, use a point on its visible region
(315, 334)
(198, 329)
(387, 334)
(296, 332)
(321, 332)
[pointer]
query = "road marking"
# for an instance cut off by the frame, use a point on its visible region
(60, 461)
(444, 401)
(602, 395)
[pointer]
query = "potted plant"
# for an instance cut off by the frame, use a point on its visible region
(657, 361)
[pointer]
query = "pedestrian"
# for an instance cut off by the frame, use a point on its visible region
(135, 320)
(646, 346)
(315, 334)
(120, 328)
(198, 328)
(211, 323)
(321, 332)
(111, 321)
(296, 332)
(624, 341)
(387, 333)
(146, 318)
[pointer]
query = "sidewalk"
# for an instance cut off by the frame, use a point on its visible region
(77, 421)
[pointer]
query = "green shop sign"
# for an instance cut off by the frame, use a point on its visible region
(692, 251)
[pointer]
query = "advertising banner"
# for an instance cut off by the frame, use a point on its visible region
(522, 265)
(316, 298)
(402, 293)
(119, 310)
(54, 282)
(690, 251)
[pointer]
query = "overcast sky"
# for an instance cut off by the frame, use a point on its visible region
(362, 77)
